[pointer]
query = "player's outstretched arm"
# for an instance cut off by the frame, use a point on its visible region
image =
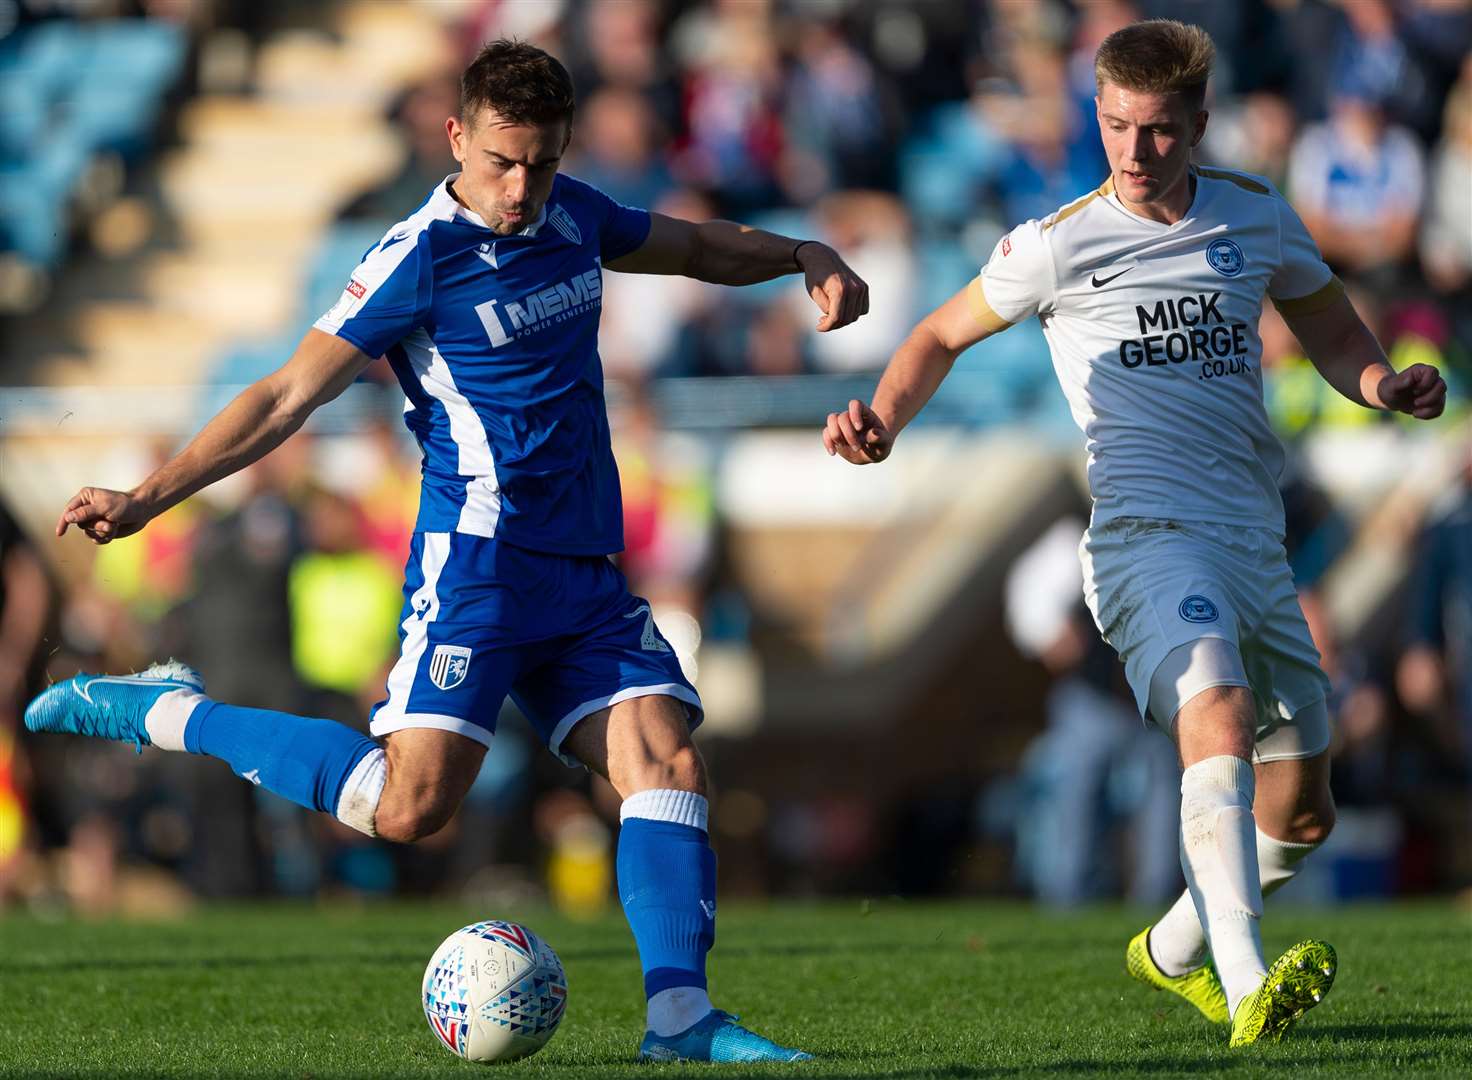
(246, 430)
(1351, 360)
(862, 434)
(725, 253)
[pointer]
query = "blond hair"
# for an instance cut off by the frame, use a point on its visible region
(1157, 56)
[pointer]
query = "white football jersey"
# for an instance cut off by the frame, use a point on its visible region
(1153, 331)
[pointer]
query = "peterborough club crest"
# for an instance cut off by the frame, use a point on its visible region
(448, 665)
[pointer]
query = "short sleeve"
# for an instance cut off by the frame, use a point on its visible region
(1303, 282)
(387, 297)
(622, 229)
(1017, 281)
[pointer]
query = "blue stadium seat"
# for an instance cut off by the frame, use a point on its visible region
(342, 248)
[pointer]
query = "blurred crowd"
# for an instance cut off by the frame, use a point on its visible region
(908, 135)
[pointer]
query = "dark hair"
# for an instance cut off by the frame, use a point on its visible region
(519, 82)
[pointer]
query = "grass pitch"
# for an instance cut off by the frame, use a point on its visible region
(889, 989)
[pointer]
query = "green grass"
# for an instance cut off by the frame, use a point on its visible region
(892, 989)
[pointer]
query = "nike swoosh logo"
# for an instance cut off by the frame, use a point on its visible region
(394, 239)
(84, 689)
(1098, 283)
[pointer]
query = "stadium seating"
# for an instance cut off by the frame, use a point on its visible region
(69, 92)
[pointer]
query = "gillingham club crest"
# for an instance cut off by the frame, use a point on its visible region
(1225, 257)
(448, 665)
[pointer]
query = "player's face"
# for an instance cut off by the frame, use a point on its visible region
(506, 169)
(1148, 140)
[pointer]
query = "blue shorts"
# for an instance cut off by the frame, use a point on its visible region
(560, 633)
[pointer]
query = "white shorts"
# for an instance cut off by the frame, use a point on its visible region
(1154, 585)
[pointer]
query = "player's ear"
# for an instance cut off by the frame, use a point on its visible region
(1198, 128)
(455, 131)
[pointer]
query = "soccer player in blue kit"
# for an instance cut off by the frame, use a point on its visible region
(486, 302)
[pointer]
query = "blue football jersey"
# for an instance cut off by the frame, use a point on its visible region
(495, 342)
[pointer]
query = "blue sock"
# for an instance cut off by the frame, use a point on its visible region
(299, 758)
(667, 884)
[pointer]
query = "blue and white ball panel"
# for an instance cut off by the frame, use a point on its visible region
(560, 634)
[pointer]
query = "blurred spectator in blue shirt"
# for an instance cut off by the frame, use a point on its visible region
(1358, 183)
(617, 147)
(835, 117)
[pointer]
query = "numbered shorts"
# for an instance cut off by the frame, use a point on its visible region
(1154, 585)
(560, 634)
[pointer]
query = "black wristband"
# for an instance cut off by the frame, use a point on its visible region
(798, 248)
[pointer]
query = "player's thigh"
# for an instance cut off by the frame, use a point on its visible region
(640, 744)
(1293, 801)
(1154, 587)
(613, 660)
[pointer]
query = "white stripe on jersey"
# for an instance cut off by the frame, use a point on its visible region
(482, 509)
(424, 606)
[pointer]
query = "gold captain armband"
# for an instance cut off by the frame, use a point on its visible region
(1315, 301)
(990, 321)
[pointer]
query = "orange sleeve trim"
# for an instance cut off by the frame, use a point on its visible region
(1314, 301)
(990, 321)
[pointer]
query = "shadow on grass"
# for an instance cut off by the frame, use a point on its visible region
(575, 955)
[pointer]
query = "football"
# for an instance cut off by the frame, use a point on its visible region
(494, 991)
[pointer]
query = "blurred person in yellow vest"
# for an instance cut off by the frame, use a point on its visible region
(344, 602)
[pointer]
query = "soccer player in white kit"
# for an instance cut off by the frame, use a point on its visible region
(1149, 291)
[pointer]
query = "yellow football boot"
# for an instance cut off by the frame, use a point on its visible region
(1297, 981)
(1200, 987)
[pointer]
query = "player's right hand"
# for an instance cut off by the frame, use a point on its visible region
(857, 435)
(104, 515)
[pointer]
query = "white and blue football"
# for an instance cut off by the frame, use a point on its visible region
(494, 991)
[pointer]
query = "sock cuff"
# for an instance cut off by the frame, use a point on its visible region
(168, 718)
(667, 804)
(358, 802)
(1223, 772)
(1282, 852)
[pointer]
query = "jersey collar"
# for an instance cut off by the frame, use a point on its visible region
(448, 208)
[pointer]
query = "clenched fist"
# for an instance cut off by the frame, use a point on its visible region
(857, 435)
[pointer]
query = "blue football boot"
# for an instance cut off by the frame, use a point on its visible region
(718, 1037)
(109, 706)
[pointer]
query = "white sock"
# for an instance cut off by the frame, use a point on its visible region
(672, 1011)
(667, 804)
(168, 716)
(1177, 942)
(1219, 856)
(361, 791)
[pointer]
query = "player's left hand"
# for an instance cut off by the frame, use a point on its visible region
(1418, 391)
(840, 293)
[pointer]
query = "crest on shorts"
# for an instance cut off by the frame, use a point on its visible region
(448, 665)
(1198, 609)
(1225, 257)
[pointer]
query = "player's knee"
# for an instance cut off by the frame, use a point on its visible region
(1311, 826)
(682, 769)
(406, 820)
